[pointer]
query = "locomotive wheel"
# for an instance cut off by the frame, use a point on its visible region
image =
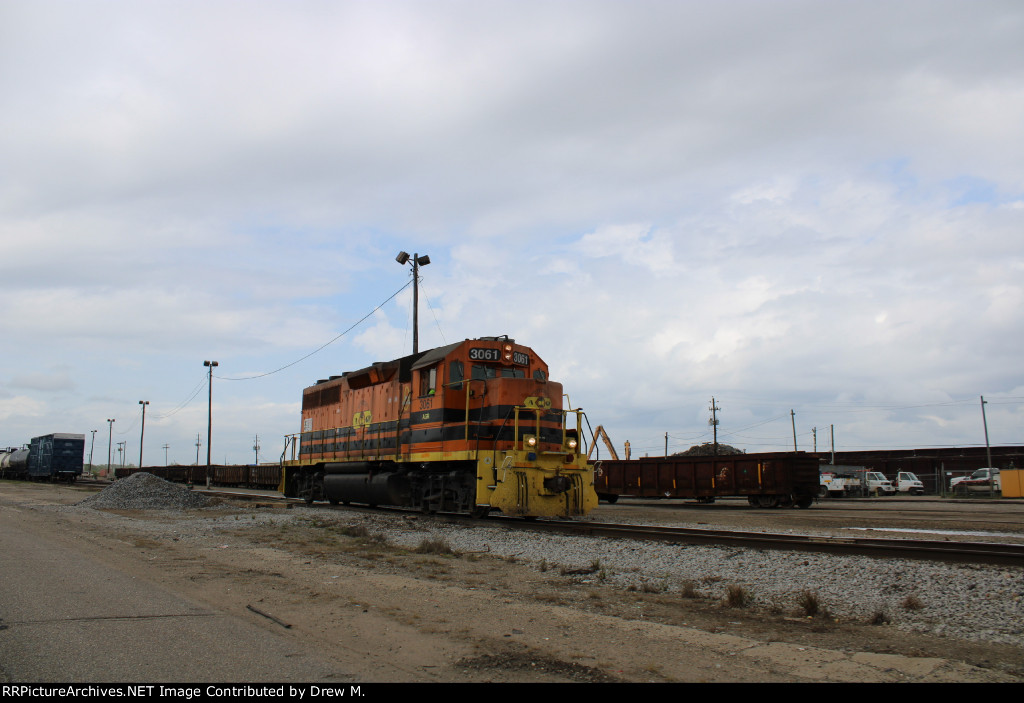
(767, 501)
(479, 512)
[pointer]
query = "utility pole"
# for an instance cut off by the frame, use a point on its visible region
(198, 444)
(666, 445)
(832, 434)
(814, 432)
(166, 447)
(988, 451)
(142, 436)
(256, 448)
(714, 424)
(792, 417)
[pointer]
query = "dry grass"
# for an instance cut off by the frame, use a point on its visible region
(737, 596)
(912, 602)
(809, 604)
(434, 545)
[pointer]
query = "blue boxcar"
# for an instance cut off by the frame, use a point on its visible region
(56, 456)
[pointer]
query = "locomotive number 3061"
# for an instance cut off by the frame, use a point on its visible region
(480, 354)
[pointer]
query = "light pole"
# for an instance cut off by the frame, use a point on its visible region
(110, 443)
(142, 436)
(91, 448)
(256, 448)
(988, 450)
(209, 419)
(417, 261)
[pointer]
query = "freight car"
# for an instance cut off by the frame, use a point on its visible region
(265, 476)
(767, 480)
(468, 427)
(58, 456)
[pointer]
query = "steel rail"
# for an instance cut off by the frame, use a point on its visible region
(963, 552)
(879, 548)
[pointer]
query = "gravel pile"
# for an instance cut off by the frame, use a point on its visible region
(143, 491)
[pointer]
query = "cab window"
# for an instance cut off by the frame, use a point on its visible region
(455, 375)
(428, 381)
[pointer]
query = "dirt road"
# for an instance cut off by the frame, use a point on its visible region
(393, 614)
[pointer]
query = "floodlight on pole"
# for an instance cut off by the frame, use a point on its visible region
(110, 442)
(417, 261)
(209, 420)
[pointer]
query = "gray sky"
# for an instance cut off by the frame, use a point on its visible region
(808, 206)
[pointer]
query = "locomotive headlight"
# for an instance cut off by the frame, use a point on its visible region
(572, 444)
(531, 441)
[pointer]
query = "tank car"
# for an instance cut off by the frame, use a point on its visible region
(469, 427)
(14, 463)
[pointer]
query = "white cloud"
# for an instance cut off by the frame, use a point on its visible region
(668, 201)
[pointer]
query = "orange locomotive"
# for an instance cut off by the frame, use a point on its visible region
(469, 427)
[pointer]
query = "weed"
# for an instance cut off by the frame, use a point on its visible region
(809, 603)
(880, 618)
(689, 590)
(737, 596)
(543, 565)
(355, 531)
(437, 545)
(912, 602)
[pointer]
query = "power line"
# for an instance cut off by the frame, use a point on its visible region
(322, 347)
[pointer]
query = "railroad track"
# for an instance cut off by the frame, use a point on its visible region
(936, 550)
(963, 552)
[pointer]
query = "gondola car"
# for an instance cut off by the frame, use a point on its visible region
(468, 427)
(767, 480)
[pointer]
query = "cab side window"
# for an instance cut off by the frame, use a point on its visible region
(455, 375)
(428, 381)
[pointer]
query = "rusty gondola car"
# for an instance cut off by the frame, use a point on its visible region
(767, 480)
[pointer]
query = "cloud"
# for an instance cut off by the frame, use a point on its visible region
(782, 204)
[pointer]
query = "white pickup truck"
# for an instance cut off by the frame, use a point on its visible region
(855, 483)
(981, 481)
(907, 482)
